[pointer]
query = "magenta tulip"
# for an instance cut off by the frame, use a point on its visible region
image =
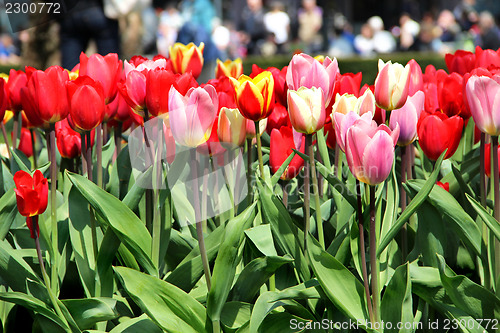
(370, 151)
(407, 118)
(192, 116)
(483, 95)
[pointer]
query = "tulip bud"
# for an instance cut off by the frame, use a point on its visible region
(229, 68)
(391, 85)
(231, 127)
(407, 118)
(306, 108)
(187, 58)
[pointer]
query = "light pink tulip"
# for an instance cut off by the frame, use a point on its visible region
(370, 151)
(345, 103)
(192, 116)
(407, 118)
(483, 95)
(305, 71)
(146, 65)
(344, 121)
(306, 109)
(391, 85)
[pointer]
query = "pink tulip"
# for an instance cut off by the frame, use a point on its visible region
(192, 116)
(344, 121)
(416, 78)
(391, 85)
(306, 109)
(407, 118)
(370, 151)
(483, 95)
(250, 128)
(305, 71)
(145, 65)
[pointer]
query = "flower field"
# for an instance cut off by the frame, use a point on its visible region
(134, 198)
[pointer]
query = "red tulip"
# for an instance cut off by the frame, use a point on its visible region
(279, 77)
(487, 159)
(187, 58)
(232, 68)
(331, 138)
(68, 141)
(25, 142)
(444, 186)
(45, 94)
(281, 147)
(437, 132)
(4, 99)
(86, 98)
(31, 193)
(279, 117)
(133, 90)
(255, 96)
(460, 62)
(488, 59)
(106, 70)
(450, 96)
(17, 80)
(348, 83)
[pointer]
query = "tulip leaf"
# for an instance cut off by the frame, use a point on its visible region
(168, 306)
(342, 288)
(254, 275)
(490, 221)
(139, 324)
(128, 228)
(277, 175)
(227, 260)
(88, 311)
(261, 236)
(8, 212)
(20, 161)
(412, 207)
(396, 306)
(236, 314)
(323, 149)
(120, 174)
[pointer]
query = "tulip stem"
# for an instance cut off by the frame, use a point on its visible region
(14, 131)
(337, 158)
(98, 147)
(199, 226)
(284, 188)
(149, 161)
(402, 193)
(156, 232)
(88, 146)
(496, 190)
(83, 152)
(118, 138)
(306, 195)
(373, 257)
(482, 173)
(46, 280)
(6, 139)
(319, 220)
(259, 149)
(33, 148)
(362, 250)
(53, 208)
(249, 167)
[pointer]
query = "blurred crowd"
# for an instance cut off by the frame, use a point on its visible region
(259, 27)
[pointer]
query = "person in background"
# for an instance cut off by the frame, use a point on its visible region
(383, 41)
(277, 22)
(363, 43)
(9, 54)
(310, 18)
(342, 43)
(489, 33)
(251, 27)
(170, 23)
(408, 32)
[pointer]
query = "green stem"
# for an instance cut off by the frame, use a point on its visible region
(53, 208)
(99, 139)
(149, 158)
(319, 220)
(83, 153)
(362, 250)
(46, 279)
(6, 139)
(307, 212)
(88, 146)
(249, 168)
(373, 257)
(33, 148)
(199, 226)
(15, 131)
(482, 173)
(284, 188)
(156, 235)
(402, 194)
(259, 149)
(496, 190)
(117, 132)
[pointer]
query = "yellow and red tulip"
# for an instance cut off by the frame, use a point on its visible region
(187, 58)
(229, 68)
(255, 97)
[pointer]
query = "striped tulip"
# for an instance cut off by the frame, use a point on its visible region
(255, 97)
(187, 58)
(229, 68)
(391, 85)
(231, 127)
(306, 108)
(483, 95)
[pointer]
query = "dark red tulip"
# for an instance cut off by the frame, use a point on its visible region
(281, 147)
(278, 118)
(460, 62)
(444, 186)
(68, 141)
(31, 193)
(87, 102)
(437, 132)
(487, 159)
(17, 80)
(106, 70)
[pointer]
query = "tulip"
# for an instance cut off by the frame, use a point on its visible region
(379, 114)
(4, 98)
(141, 64)
(31, 193)
(25, 142)
(306, 108)
(230, 68)
(255, 97)
(250, 128)
(231, 127)
(407, 118)
(305, 71)
(192, 116)
(213, 147)
(466, 114)
(344, 122)
(331, 137)
(278, 118)
(416, 78)
(187, 58)
(106, 70)
(279, 77)
(436, 132)
(348, 83)
(450, 97)
(370, 151)
(17, 80)
(87, 99)
(444, 186)
(133, 90)
(460, 62)
(68, 141)
(282, 143)
(487, 159)
(488, 59)
(391, 85)
(483, 95)
(345, 103)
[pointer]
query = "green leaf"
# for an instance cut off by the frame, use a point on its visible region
(170, 307)
(396, 306)
(339, 284)
(89, 311)
(33, 304)
(288, 237)
(235, 314)
(14, 270)
(8, 212)
(139, 324)
(322, 147)
(262, 237)
(277, 175)
(227, 260)
(254, 275)
(490, 221)
(20, 161)
(474, 299)
(125, 224)
(412, 207)
(282, 322)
